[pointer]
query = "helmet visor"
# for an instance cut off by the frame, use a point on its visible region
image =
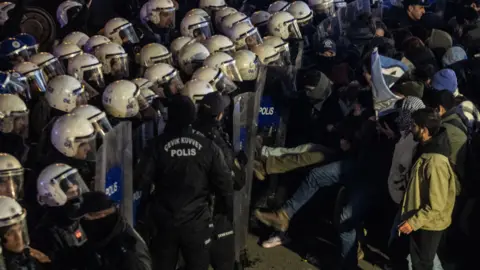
(249, 40)
(17, 84)
(53, 68)
(94, 76)
(200, 31)
(119, 66)
(11, 183)
(230, 69)
(71, 184)
(293, 29)
(86, 147)
(275, 60)
(224, 84)
(142, 102)
(32, 50)
(166, 58)
(36, 81)
(128, 35)
(82, 96)
(170, 85)
(19, 56)
(102, 126)
(163, 18)
(16, 123)
(16, 234)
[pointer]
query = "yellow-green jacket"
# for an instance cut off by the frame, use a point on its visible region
(430, 196)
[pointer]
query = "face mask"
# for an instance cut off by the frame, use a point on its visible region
(99, 229)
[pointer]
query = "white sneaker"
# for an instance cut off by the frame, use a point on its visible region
(275, 241)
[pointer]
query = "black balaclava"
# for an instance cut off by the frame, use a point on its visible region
(181, 114)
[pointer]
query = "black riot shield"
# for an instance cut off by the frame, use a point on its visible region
(245, 115)
(114, 168)
(39, 23)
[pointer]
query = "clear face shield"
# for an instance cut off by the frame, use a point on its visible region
(119, 68)
(223, 84)
(163, 18)
(275, 60)
(201, 31)
(17, 84)
(142, 102)
(15, 238)
(15, 123)
(230, 69)
(101, 124)
(170, 85)
(53, 68)
(284, 51)
(36, 82)
(81, 95)
(32, 50)
(19, 56)
(11, 183)
(326, 8)
(93, 75)
(127, 34)
(293, 29)
(86, 147)
(167, 59)
(249, 40)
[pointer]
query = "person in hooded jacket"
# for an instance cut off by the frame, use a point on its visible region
(112, 243)
(186, 168)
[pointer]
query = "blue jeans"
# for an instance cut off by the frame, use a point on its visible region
(340, 172)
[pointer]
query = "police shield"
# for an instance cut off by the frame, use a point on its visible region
(114, 168)
(329, 28)
(39, 23)
(245, 114)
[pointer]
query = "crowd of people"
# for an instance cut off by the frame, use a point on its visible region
(174, 68)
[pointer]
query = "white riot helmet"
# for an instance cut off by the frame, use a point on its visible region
(161, 13)
(192, 56)
(59, 183)
(13, 115)
(221, 14)
(177, 45)
(114, 60)
(154, 53)
(245, 36)
(34, 75)
(268, 55)
(283, 25)
(260, 18)
(229, 21)
(216, 78)
(64, 93)
(195, 26)
(278, 6)
(322, 6)
(65, 52)
(74, 137)
(95, 41)
(120, 31)
(203, 13)
(248, 64)
(280, 45)
(96, 117)
(226, 63)
(165, 78)
(62, 11)
(301, 12)
(5, 7)
(86, 67)
(77, 38)
(13, 222)
(196, 89)
(11, 176)
(120, 99)
(48, 63)
(210, 6)
(219, 43)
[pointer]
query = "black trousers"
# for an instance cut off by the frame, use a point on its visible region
(222, 252)
(423, 247)
(194, 243)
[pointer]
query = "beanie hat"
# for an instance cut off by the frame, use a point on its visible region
(181, 112)
(453, 55)
(445, 79)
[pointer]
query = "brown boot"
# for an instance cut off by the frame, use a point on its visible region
(278, 220)
(259, 170)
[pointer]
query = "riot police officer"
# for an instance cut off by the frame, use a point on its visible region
(184, 168)
(115, 244)
(304, 17)
(284, 25)
(11, 177)
(152, 54)
(159, 20)
(13, 126)
(59, 233)
(77, 38)
(16, 254)
(114, 59)
(209, 123)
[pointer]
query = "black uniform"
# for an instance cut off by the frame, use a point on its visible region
(115, 245)
(21, 261)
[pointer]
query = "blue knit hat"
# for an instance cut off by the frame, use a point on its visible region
(445, 79)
